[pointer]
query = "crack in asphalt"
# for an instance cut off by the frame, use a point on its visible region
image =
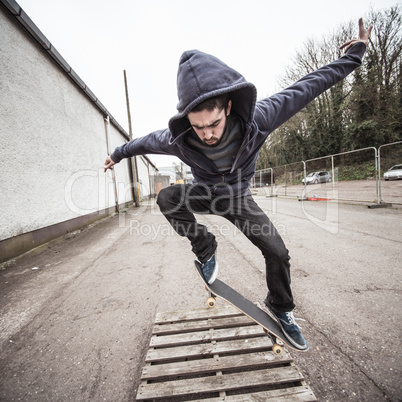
(376, 289)
(338, 348)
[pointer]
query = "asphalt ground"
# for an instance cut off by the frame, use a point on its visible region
(76, 315)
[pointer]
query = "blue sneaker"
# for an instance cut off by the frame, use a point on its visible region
(291, 330)
(210, 269)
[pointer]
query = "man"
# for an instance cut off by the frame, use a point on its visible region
(218, 131)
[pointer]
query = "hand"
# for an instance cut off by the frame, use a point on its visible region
(109, 163)
(363, 37)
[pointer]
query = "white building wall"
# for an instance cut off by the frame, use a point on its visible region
(53, 141)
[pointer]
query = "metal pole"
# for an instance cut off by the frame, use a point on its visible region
(134, 166)
(377, 176)
(333, 176)
(286, 182)
(272, 181)
(379, 173)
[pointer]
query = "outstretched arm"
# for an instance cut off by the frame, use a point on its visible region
(363, 37)
(272, 112)
(158, 142)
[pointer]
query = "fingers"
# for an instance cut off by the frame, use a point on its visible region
(362, 31)
(369, 31)
(363, 34)
(108, 164)
(348, 43)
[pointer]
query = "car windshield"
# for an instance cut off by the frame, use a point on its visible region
(311, 174)
(396, 167)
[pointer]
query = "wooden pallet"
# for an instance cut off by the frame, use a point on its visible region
(216, 355)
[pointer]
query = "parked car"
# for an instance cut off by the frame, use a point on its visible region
(318, 177)
(394, 173)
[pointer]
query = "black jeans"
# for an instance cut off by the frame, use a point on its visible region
(179, 203)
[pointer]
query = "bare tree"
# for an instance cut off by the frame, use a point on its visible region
(362, 110)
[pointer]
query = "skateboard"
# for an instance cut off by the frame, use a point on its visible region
(251, 310)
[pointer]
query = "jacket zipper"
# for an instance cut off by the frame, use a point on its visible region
(214, 187)
(240, 149)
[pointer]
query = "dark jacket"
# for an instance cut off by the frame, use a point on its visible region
(201, 76)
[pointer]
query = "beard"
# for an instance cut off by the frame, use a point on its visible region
(217, 140)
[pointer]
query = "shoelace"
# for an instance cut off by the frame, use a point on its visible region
(292, 319)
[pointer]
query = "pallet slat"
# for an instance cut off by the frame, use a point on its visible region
(199, 325)
(206, 336)
(198, 314)
(205, 385)
(193, 367)
(196, 351)
(300, 393)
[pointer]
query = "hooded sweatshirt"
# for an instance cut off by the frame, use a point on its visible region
(201, 76)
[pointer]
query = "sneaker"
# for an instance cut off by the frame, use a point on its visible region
(210, 269)
(291, 330)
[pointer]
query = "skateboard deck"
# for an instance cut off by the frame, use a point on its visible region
(245, 306)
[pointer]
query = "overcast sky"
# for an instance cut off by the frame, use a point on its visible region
(101, 38)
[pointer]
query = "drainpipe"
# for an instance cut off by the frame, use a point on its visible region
(107, 121)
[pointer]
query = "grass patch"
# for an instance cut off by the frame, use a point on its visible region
(364, 171)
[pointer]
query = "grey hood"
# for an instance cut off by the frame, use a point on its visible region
(201, 76)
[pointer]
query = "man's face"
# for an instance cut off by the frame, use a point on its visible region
(209, 125)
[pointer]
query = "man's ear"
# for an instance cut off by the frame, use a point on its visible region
(228, 108)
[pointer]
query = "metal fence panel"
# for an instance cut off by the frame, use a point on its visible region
(389, 155)
(349, 176)
(353, 176)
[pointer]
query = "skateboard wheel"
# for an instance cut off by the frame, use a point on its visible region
(211, 302)
(277, 349)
